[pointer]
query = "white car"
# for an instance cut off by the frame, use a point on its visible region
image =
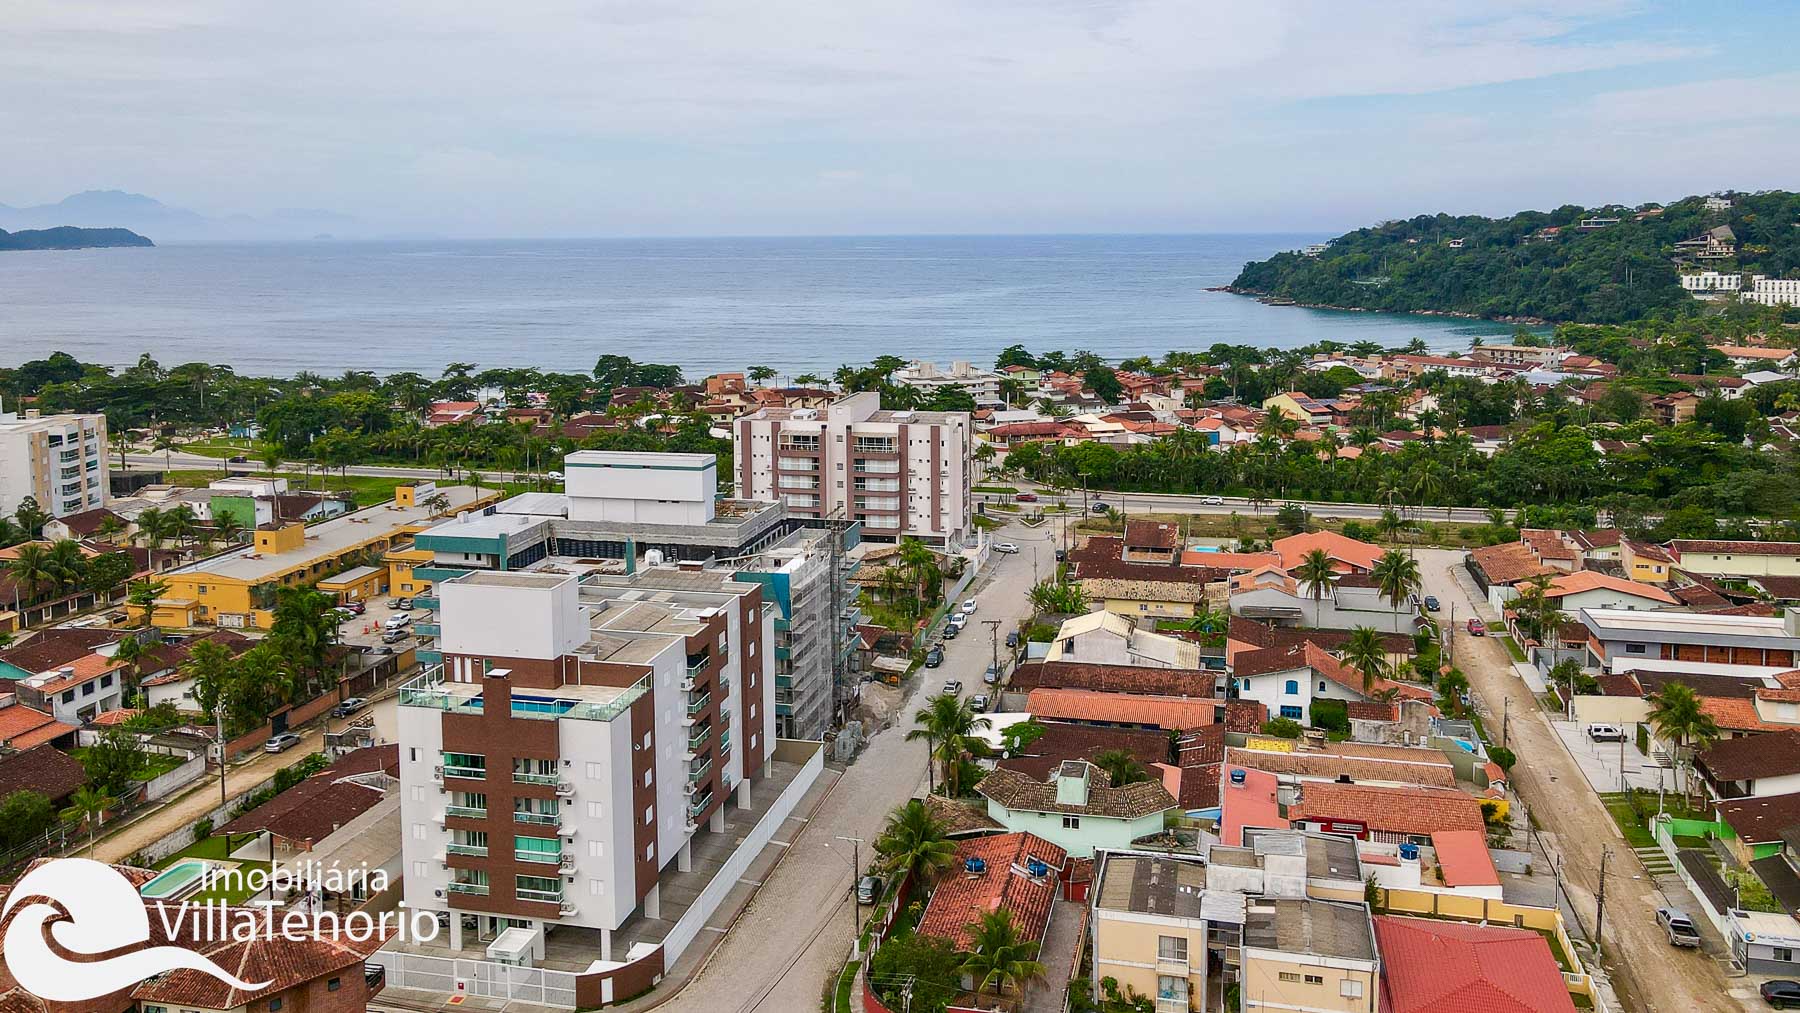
(398, 621)
(968, 608)
(1606, 733)
(1212, 501)
(1005, 547)
(554, 476)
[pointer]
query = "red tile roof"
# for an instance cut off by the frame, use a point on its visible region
(1463, 858)
(1294, 548)
(44, 769)
(315, 808)
(74, 673)
(1508, 563)
(1146, 710)
(1594, 580)
(1182, 682)
(1251, 804)
(962, 897)
(1776, 754)
(1412, 811)
(1063, 741)
(1152, 535)
(1431, 966)
(22, 728)
(46, 650)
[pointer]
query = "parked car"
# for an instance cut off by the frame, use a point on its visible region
(1012, 639)
(980, 702)
(953, 687)
(1679, 927)
(1026, 497)
(969, 607)
(398, 621)
(868, 889)
(403, 604)
(378, 651)
(1780, 993)
(934, 657)
(1477, 628)
(1212, 500)
(349, 707)
(1098, 508)
(1605, 733)
(1008, 547)
(356, 608)
(991, 676)
(281, 743)
(554, 476)
(1431, 603)
(344, 614)
(951, 630)
(394, 635)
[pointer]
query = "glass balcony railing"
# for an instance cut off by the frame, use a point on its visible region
(430, 690)
(472, 889)
(466, 811)
(697, 705)
(472, 773)
(539, 857)
(522, 777)
(537, 819)
(477, 850)
(698, 806)
(699, 737)
(542, 896)
(699, 773)
(696, 667)
(427, 602)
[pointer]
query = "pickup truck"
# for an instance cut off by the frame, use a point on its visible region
(1679, 927)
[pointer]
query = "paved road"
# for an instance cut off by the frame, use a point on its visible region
(1650, 975)
(797, 931)
(199, 462)
(1144, 502)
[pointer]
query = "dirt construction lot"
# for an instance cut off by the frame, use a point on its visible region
(1648, 974)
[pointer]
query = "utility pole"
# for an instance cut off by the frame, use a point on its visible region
(1506, 722)
(993, 626)
(1622, 788)
(855, 908)
(1600, 898)
(219, 733)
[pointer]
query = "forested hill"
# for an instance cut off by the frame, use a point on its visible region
(1546, 265)
(65, 237)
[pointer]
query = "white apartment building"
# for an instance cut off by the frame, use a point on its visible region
(1712, 281)
(580, 732)
(1773, 291)
(58, 460)
(982, 384)
(898, 473)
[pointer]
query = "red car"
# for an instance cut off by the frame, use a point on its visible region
(1477, 628)
(1026, 497)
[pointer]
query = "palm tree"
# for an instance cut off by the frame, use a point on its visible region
(922, 563)
(110, 527)
(997, 956)
(90, 804)
(1677, 716)
(913, 843)
(1121, 767)
(32, 567)
(948, 724)
(1317, 574)
(229, 529)
(153, 527)
(1365, 652)
(182, 522)
(66, 563)
(1396, 576)
(165, 443)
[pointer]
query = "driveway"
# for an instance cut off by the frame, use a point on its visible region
(797, 930)
(1599, 761)
(1647, 973)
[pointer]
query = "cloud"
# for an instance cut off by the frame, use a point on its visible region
(714, 110)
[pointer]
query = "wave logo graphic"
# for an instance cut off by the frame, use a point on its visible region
(100, 912)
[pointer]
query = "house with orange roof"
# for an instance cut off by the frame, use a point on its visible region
(1016, 873)
(74, 693)
(1573, 592)
(1348, 555)
(1434, 966)
(1122, 710)
(1350, 602)
(1287, 680)
(1392, 815)
(1229, 560)
(23, 727)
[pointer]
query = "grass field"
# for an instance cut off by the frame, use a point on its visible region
(154, 765)
(1248, 525)
(235, 890)
(221, 447)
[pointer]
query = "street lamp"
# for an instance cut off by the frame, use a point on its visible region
(855, 912)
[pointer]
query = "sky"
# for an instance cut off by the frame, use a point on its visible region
(792, 117)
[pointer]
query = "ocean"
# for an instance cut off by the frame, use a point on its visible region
(798, 305)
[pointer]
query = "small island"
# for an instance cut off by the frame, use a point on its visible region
(67, 237)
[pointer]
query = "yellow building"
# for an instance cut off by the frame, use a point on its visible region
(400, 563)
(236, 588)
(1153, 599)
(1646, 563)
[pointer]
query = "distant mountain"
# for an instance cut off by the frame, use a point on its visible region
(67, 238)
(147, 215)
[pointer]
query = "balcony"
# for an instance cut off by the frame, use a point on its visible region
(699, 704)
(540, 896)
(567, 909)
(539, 857)
(537, 819)
(698, 773)
(466, 812)
(699, 805)
(1172, 1004)
(428, 630)
(522, 777)
(697, 667)
(427, 602)
(466, 773)
(724, 743)
(471, 889)
(474, 850)
(698, 737)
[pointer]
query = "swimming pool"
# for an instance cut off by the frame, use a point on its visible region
(540, 706)
(176, 881)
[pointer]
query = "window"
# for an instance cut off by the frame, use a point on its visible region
(1784, 953)
(68, 696)
(1290, 711)
(87, 689)
(1071, 823)
(334, 984)
(1314, 979)
(1350, 988)
(275, 1005)
(1172, 948)
(1634, 648)
(1292, 688)
(1289, 976)
(1321, 685)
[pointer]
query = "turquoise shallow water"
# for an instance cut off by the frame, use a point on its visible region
(800, 304)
